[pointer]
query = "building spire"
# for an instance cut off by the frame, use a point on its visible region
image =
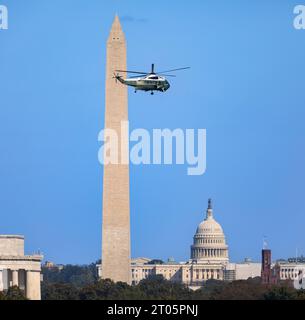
(116, 23)
(210, 209)
(265, 243)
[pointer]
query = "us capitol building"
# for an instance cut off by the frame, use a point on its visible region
(209, 257)
(209, 260)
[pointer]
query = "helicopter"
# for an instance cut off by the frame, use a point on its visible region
(152, 81)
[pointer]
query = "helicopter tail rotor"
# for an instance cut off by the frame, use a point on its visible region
(116, 76)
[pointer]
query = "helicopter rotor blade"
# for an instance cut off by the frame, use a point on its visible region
(174, 70)
(158, 74)
(135, 72)
(166, 75)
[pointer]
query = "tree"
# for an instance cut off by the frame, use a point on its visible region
(80, 283)
(156, 288)
(108, 290)
(13, 293)
(282, 293)
(59, 291)
(79, 276)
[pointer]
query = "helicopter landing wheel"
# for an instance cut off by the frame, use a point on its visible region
(152, 93)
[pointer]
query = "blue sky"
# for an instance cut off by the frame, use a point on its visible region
(246, 87)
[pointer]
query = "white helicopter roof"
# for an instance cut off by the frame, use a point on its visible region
(150, 77)
(154, 77)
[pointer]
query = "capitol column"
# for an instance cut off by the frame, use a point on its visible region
(33, 285)
(1, 280)
(15, 278)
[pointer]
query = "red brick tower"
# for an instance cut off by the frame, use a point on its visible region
(266, 266)
(269, 275)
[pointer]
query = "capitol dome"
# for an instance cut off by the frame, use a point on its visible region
(209, 226)
(209, 241)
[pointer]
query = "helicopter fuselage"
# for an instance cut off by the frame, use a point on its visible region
(149, 83)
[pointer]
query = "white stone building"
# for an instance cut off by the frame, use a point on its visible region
(293, 271)
(242, 271)
(17, 269)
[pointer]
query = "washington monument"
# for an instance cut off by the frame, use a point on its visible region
(116, 202)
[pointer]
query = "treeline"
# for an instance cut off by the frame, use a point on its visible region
(81, 283)
(75, 275)
(13, 293)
